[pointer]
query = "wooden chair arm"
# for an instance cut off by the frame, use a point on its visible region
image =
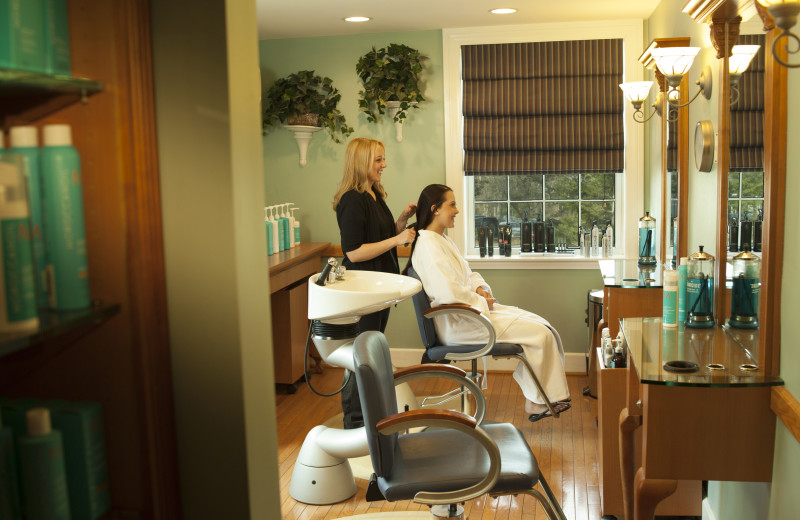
(460, 306)
(398, 421)
(429, 367)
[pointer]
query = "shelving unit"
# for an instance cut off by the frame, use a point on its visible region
(115, 353)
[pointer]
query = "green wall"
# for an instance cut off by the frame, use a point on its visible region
(412, 164)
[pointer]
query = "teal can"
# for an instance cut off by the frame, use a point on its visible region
(64, 230)
(25, 143)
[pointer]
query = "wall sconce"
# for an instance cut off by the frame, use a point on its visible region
(636, 92)
(741, 56)
(784, 12)
(674, 63)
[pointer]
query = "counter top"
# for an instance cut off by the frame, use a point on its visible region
(296, 255)
(718, 357)
(628, 273)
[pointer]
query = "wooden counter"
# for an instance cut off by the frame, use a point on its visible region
(288, 281)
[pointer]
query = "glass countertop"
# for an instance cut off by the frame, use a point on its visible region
(629, 274)
(717, 357)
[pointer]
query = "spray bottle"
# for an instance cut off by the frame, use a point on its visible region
(17, 285)
(595, 239)
(268, 228)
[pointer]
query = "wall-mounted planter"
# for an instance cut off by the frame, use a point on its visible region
(303, 135)
(391, 109)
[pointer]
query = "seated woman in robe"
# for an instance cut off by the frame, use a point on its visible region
(447, 278)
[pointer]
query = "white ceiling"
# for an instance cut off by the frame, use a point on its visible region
(307, 18)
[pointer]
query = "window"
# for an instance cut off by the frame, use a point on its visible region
(571, 198)
(745, 195)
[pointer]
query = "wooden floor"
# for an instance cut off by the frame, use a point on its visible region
(566, 449)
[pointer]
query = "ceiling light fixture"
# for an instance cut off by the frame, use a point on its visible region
(503, 10)
(357, 19)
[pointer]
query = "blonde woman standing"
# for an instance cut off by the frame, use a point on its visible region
(369, 236)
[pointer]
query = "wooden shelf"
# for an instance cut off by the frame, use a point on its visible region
(28, 96)
(55, 324)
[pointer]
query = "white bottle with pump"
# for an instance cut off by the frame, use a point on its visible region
(268, 231)
(290, 229)
(296, 232)
(17, 283)
(276, 242)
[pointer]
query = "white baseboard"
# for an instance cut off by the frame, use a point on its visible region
(575, 362)
(708, 512)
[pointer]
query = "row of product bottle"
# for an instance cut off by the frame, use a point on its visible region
(614, 355)
(596, 242)
(745, 233)
(42, 232)
(689, 291)
(52, 460)
(537, 236)
(35, 36)
(282, 228)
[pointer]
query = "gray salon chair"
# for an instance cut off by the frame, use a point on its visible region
(437, 351)
(455, 460)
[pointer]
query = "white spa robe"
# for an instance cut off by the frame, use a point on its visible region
(447, 278)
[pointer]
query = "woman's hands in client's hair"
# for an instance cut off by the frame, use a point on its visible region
(405, 237)
(407, 213)
(490, 301)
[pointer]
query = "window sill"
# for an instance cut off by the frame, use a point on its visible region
(536, 261)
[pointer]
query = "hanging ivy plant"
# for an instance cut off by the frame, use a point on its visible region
(305, 98)
(390, 74)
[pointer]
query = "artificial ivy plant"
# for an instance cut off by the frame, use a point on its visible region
(291, 99)
(391, 73)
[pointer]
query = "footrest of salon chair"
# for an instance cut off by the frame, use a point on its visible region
(373, 491)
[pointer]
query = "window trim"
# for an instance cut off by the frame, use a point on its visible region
(631, 32)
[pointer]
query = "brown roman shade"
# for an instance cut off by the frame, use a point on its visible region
(747, 114)
(672, 146)
(543, 107)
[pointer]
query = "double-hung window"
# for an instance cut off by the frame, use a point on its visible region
(535, 127)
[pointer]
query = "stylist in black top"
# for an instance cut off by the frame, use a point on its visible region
(369, 236)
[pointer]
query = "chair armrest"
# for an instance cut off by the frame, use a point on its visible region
(472, 313)
(435, 370)
(455, 421)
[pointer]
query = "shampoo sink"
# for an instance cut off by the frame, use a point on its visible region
(359, 293)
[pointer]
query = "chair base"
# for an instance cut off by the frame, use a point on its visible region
(321, 486)
(453, 511)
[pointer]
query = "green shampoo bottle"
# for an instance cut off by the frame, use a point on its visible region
(44, 477)
(9, 491)
(24, 142)
(64, 231)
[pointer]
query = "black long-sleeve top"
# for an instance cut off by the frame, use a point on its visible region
(364, 220)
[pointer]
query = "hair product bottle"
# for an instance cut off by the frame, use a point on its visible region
(9, 490)
(296, 231)
(490, 240)
(24, 141)
(670, 293)
(56, 37)
(64, 232)
(682, 267)
(44, 479)
(482, 241)
(268, 229)
(289, 225)
(17, 285)
(276, 235)
(526, 235)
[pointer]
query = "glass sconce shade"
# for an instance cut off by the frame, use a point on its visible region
(636, 91)
(741, 56)
(783, 11)
(674, 62)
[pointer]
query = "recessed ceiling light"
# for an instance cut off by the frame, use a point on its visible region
(503, 11)
(357, 19)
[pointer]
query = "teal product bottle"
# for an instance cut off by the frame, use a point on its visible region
(283, 225)
(670, 296)
(287, 240)
(296, 228)
(64, 232)
(9, 478)
(56, 38)
(18, 297)
(24, 141)
(83, 437)
(268, 226)
(22, 44)
(44, 477)
(682, 289)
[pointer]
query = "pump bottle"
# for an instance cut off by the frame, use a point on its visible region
(296, 227)
(44, 480)
(290, 229)
(276, 241)
(268, 230)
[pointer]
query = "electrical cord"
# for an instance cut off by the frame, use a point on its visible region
(330, 332)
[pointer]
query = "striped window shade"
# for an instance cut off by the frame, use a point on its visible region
(543, 107)
(747, 115)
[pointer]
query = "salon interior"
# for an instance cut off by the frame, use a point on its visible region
(198, 346)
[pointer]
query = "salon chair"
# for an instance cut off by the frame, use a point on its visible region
(454, 460)
(436, 351)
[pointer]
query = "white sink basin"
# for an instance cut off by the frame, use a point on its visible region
(360, 293)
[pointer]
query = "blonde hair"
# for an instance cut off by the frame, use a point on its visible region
(358, 160)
